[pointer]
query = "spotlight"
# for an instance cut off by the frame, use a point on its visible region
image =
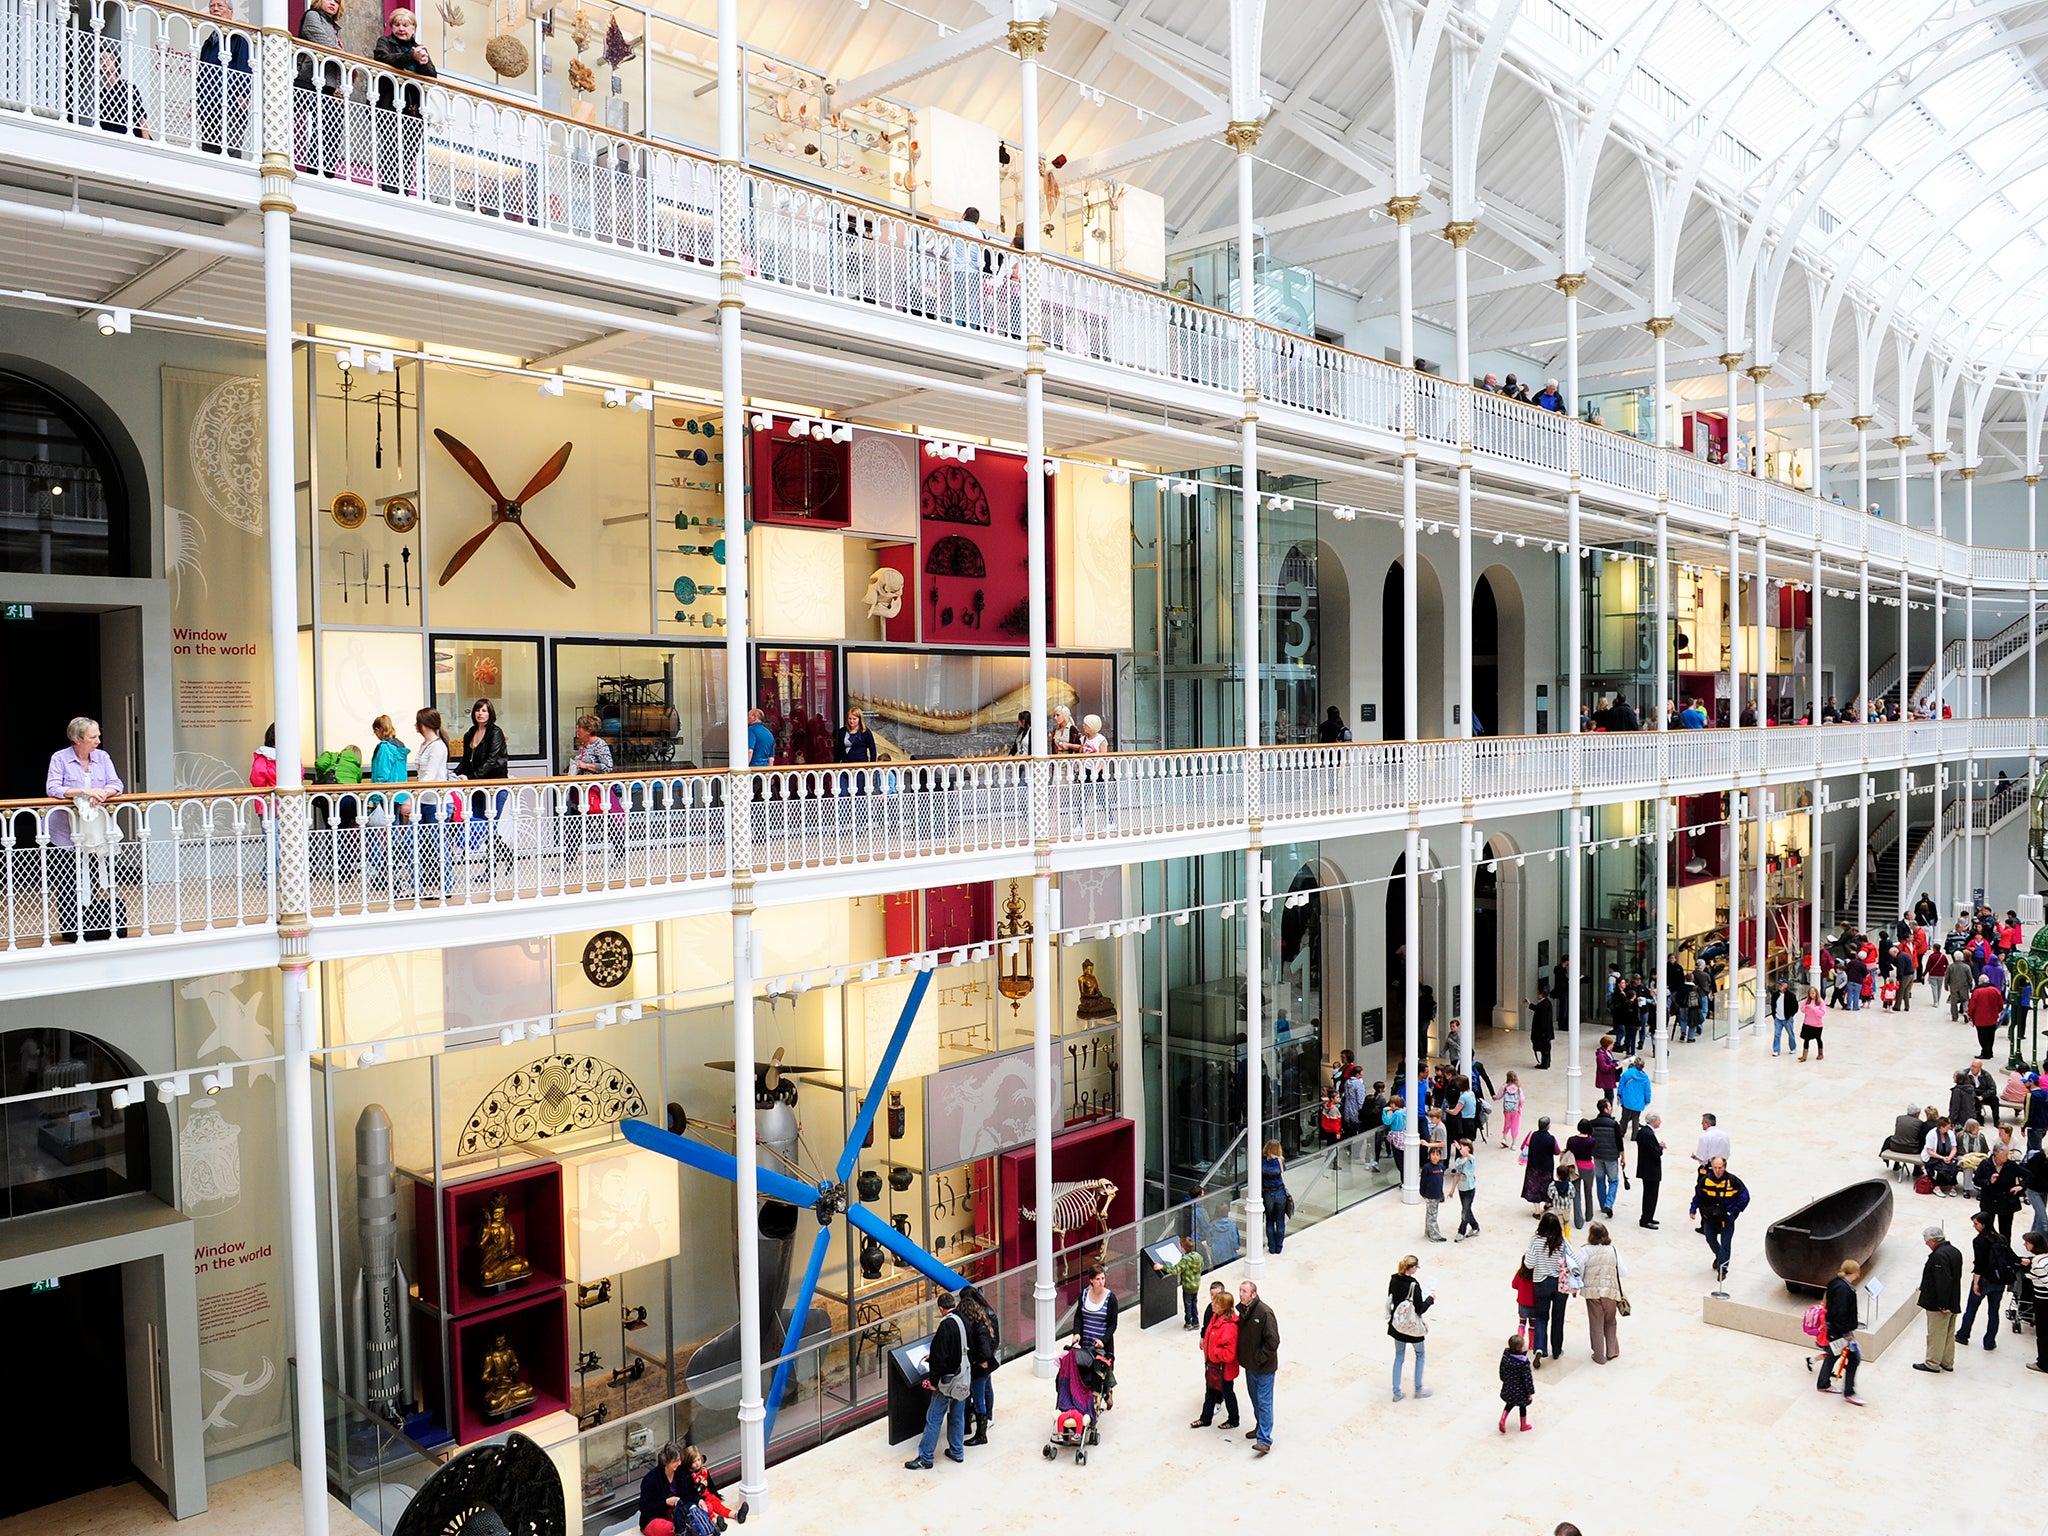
(614, 398)
(1549, 548)
(509, 1035)
(1499, 536)
(553, 387)
(843, 433)
(1180, 919)
(964, 453)
(172, 1088)
(1520, 542)
(605, 1017)
(642, 401)
(540, 1029)
(761, 421)
(820, 430)
(372, 1057)
(1050, 466)
(348, 357)
(115, 322)
(1435, 529)
(379, 362)
(1117, 477)
(218, 1078)
(125, 1095)
(1229, 911)
(870, 972)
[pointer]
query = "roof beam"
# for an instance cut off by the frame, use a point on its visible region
(1148, 146)
(1546, 334)
(951, 48)
(1500, 282)
(1351, 204)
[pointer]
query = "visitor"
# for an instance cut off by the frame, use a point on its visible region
(227, 77)
(1608, 1146)
(2001, 1183)
(1258, 1356)
(1333, 729)
(1579, 1150)
(1273, 1188)
(1987, 1007)
(1541, 1028)
(948, 1378)
(1718, 1198)
(1958, 982)
(1064, 736)
(1713, 1142)
(1465, 1184)
(1606, 1067)
(1600, 1275)
(1219, 1362)
(1517, 1381)
(760, 741)
(1548, 398)
(665, 1493)
(2034, 1183)
(1942, 1157)
(1407, 1300)
(1941, 1298)
(1784, 1009)
(1838, 1343)
(2036, 1244)
(1649, 1166)
(399, 128)
(429, 765)
(1992, 1267)
(1020, 745)
(984, 1354)
(1986, 1087)
(1187, 1270)
(1813, 1018)
(1547, 1258)
(1096, 1309)
(1540, 1164)
(485, 756)
(1962, 1098)
(1431, 1182)
(1510, 1100)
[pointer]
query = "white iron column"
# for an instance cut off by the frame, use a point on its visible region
(1411, 1009)
(1244, 138)
(1731, 1014)
(1941, 761)
(1902, 441)
(2028, 875)
(1575, 902)
(1659, 327)
(1863, 733)
(1815, 600)
(1468, 890)
(1045, 1355)
(1758, 372)
(1402, 211)
(294, 816)
(1905, 714)
(1761, 851)
(1667, 865)
(1969, 709)
(1569, 285)
(1862, 426)
(1575, 598)
(1813, 401)
(731, 96)
(1730, 361)
(1468, 837)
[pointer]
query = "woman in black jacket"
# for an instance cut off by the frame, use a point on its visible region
(485, 754)
(1404, 1287)
(665, 1493)
(1840, 1302)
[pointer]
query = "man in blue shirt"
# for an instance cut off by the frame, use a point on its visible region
(1692, 717)
(760, 741)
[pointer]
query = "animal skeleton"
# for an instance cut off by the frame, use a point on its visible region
(1078, 1204)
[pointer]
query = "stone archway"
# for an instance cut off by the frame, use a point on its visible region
(1507, 951)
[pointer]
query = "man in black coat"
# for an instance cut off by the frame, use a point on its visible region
(1541, 1028)
(948, 1377)
(1649, 1165)
(1985, 1087)
(1941, 1298)
(1991, 1267)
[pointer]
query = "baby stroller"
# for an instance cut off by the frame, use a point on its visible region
(2024, 1308)
(1082, 1386)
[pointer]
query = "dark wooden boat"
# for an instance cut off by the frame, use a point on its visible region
(1808, 1247)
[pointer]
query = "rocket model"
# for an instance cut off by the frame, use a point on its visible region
(383, 1365)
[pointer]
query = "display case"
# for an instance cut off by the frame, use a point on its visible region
(861, 146)
(532, 1197)
(536, 1333)
(689, 498)
(1104, 1150)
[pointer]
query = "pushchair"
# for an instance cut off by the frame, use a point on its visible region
(1082, 1386)
(2023, 1307)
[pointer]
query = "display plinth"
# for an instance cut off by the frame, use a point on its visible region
(533, 1209)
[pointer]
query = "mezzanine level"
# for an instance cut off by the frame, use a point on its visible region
(605, 243)
(198, 886)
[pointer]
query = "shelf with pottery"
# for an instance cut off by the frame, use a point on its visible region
(864, 146)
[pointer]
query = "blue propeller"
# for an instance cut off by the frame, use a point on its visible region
(825, 1199)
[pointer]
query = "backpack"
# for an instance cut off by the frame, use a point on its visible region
(957, 1385)
(1814, 1322)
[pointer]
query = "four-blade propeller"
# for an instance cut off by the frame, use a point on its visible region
(504, 509)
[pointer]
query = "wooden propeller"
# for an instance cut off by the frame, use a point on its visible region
(505, 509)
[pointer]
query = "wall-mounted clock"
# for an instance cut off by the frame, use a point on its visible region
(608, 958)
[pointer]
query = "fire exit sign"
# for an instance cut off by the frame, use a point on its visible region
(17, 610)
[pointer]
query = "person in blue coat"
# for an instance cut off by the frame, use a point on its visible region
(1273, 1188)
(1633, 1093)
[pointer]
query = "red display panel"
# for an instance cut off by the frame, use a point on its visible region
(1103, 1150)
(955, 915)
(975, 554)
(794, 691)
(533, 1209)
(902, 558)
(802, 482)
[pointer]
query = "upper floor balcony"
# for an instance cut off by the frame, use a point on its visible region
(186, 885)
(151, 96)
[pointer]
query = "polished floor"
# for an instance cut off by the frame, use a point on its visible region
(1693, 1431)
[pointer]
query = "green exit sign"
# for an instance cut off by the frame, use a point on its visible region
(40, 1286)
(17, 610)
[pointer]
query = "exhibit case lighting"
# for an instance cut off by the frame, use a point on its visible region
(622, 1210)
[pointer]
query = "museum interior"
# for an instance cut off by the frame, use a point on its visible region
(989, 709)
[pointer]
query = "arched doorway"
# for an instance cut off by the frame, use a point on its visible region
(1425, 632)
(1485, 662)
(1499, 640)
(67, 1148)
(1393, 657)
(1429, 936)
(1500, 967)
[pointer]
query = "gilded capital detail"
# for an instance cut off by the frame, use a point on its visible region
(1403, 208)
(1758, 372)
(1242, 136)
(1459, 231)
(1935, 455)
(1659, 326)
(1815, 400)
(1968, 471)
(1730, 361)
(1860, 423)
(1027, 38)
(1903, 440)
(1569, 283)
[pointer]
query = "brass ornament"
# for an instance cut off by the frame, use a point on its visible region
(1242, 136)
(1403, 208)
(349, 510)
(1730, 361)
(1027, 38)
(1459, 231)
(1815, 400)
(1569, 283)
(1659, 326)
(1902, 440)
(1758, 372)
(1860, 423)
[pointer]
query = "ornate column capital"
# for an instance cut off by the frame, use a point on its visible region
(1242, 136)
(1027, 38)
(2033, 479)
(1813, 400)
(1860, 423)
(1758, 372)
(1935, 456)
(1659, 326)
(1569, 283)
(1730, 361)
(1459, 231)
(1403, 208)
(277, 172)
(1968, 471)
(1902, 440)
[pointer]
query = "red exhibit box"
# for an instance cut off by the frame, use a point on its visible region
(533, 1209)
(536, 1330)
(1104, 1150)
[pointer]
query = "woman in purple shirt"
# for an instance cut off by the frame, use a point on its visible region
(79, 769)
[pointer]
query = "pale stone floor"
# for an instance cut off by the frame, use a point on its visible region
(1694, 1429)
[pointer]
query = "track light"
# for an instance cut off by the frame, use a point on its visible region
(1050, 466)
(171, 1088)
(1180, 919)
(219, 1078)
(1498, 537)
(375, 363)
(509, 1035)
(1229, 911)
(372, 1057)
(642, 401)
(761, 421)
(540, 1029)
(115, 322)
(605, 1017)
(348, 358)
(553, 387)
(125, 1095)
(1117, 477)
(1435, 529)
(614, 398)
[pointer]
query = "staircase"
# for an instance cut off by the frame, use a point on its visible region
(1994, 654)
(1988, 813)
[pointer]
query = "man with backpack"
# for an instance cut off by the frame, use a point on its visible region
(1993, 1266)
(949, 1378)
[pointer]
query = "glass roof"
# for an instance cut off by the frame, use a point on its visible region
(1929, 188)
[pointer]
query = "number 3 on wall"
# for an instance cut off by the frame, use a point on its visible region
(1297, 621)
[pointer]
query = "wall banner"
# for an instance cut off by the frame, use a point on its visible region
(214, 523)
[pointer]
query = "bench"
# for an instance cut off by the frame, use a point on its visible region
(1902, 1164)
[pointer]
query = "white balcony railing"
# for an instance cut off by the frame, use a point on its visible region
(190, 865)
(107, 68)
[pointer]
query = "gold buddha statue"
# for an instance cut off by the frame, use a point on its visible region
(1094, 1004)
(499, 1261)
(506, 1392)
